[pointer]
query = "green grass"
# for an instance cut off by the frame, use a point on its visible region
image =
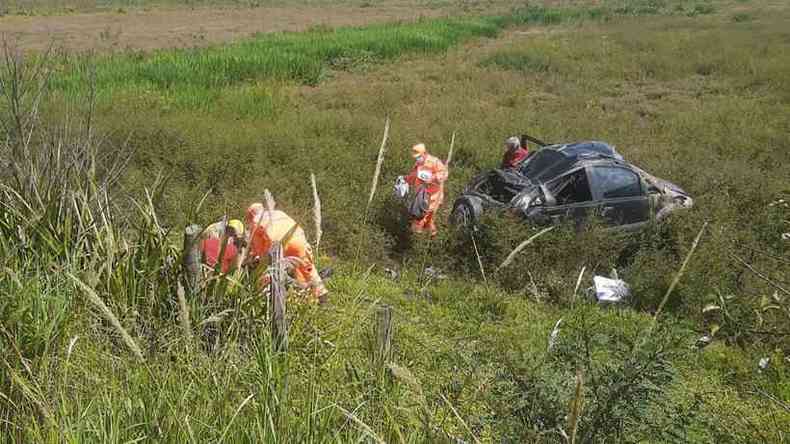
(37, 7)
(471, 359)
(301, 57)
(198, 78)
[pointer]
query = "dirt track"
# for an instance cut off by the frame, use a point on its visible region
(174, 28)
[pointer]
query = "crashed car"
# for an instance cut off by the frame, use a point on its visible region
(572, 181)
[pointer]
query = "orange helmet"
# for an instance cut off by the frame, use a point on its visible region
(418, 150)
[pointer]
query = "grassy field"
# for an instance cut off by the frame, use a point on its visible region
(46, 7)
(98, 348)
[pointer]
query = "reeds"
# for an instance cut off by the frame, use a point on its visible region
(680, 272)
(450, 151)
(521, 247)
(108, 315)
(379, 162)
(316, 212)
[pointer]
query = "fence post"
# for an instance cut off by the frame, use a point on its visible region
(277, 301)
(192, 257)
(383, 331)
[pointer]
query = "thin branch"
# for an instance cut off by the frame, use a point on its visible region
(680, 272)
(379, 161)
(760, 275)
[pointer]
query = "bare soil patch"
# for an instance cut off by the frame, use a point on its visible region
(178, 28)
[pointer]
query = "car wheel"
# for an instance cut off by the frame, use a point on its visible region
(464, 214)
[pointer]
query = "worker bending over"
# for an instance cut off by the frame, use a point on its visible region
(427, 176)
(515, 153)
(268, 227)
(210, 244)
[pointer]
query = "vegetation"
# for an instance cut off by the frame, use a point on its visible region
(97, 185)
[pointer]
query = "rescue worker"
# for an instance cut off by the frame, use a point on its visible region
(267, 227)
(429, 174)
(515, 153)
(210, 245)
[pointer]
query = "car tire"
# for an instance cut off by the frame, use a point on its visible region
(466, 212)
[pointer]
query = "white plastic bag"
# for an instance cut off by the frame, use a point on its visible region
(401, 187)
(610, 290)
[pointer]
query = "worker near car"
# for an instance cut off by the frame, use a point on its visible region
(427, 178)
(211, 244)
(265, 228)
(515, 153)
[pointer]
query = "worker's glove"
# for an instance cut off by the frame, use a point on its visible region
(401, 187)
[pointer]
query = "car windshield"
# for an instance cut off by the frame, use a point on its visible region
(501, 186)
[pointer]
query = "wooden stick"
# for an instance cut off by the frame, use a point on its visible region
(191, 257)
(183, 315)
(277, 301)
(384, 330)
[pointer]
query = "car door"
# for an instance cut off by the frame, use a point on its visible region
(620, 194)
(573, 195)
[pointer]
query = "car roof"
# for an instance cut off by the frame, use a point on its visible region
(590, 149)
(554, 160)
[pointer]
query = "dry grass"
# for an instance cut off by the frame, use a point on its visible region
(107, 314)
(509, 259)
(379, 163)
(316, 212)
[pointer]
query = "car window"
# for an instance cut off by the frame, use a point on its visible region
(537, 164)
(571, 188)
(614, 182)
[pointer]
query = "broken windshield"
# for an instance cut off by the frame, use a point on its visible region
(502, 185)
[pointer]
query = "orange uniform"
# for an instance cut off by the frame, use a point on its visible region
(431, 173)
(265, 228)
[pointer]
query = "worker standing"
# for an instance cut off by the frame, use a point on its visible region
(210, 244)
(267, 227)
(427, 178)
(515, 153)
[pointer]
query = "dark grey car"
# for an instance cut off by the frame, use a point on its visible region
(572, 181)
